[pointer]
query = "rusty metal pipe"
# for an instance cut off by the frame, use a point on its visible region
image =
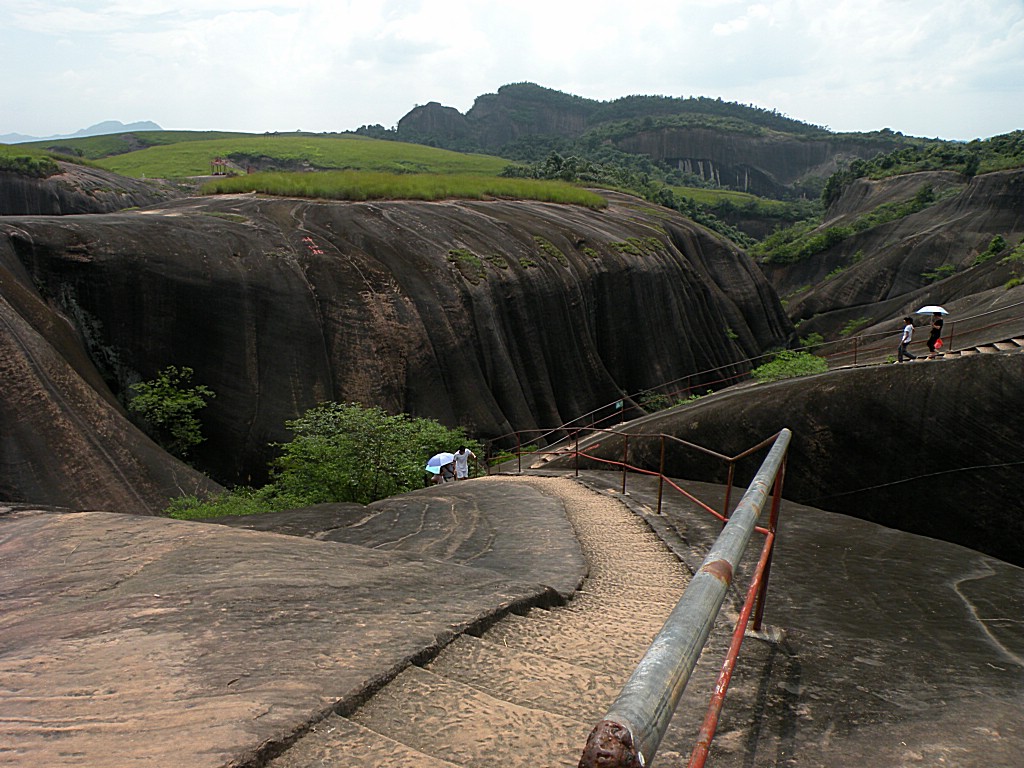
(634, 726)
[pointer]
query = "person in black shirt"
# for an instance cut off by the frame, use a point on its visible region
(936, 332)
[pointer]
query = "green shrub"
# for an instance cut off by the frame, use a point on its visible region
(652, 401)
(32, 166)
(551, 250)
(1017, 254)
(340, 452)
(349, 452)
(854, 325)
(240, 501)
(789, 364)
(939, 273)
(468, 263)
(167, 405)
(812, 340)
(996, 246)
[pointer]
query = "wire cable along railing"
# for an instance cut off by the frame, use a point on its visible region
(851, 350)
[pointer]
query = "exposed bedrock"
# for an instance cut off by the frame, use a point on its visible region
(933, 448)
(77, 189)
(495, 315)
(929, 257)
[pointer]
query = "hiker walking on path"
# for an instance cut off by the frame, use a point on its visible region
(462, 457)
(905, 339)
(933, 337)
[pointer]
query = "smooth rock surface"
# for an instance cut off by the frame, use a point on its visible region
(141, 641)
(882, 647)
(129, 640)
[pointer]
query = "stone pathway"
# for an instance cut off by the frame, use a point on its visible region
(529, 690)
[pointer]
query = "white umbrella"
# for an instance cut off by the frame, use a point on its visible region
(931, 309)
(438, 460)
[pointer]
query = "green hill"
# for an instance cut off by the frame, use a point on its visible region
(183, 154)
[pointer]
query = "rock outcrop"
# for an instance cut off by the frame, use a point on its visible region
(878, 274)
(495, 316)
(933, 448)
(77, 189)
(727, 144)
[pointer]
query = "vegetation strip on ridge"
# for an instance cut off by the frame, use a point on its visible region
(368, 185)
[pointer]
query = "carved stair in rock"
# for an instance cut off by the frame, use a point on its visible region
(529, 690)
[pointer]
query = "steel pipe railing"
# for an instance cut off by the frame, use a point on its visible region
(634, 726)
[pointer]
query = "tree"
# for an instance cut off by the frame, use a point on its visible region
(167, 406)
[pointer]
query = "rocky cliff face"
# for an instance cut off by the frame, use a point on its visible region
(746, 156)
(881, 273)
(931, 448)
(769, 164)
(494, 315)
(78, 189)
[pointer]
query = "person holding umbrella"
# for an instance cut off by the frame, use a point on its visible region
(442, 465)
(935, 334)
(934, 337)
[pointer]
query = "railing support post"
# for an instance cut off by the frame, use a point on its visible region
(519, 452)
(728, 489)
(576, 453)
(661, 473)
(625, 460)
(773, 524)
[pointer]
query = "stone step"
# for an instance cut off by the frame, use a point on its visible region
(338, 741)
(1007, 346)
(463, 725)
(528, 679)
(625, 602)
(609, 650)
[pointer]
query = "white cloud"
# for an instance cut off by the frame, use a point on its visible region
(937, 68)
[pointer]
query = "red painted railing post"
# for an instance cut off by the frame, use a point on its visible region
(576, 453)
(625, 459)
(661, 473)
(773, 523)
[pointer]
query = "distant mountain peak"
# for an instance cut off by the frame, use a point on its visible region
(99, 129)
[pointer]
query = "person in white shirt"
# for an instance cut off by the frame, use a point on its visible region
(462, 457)
(905, 339)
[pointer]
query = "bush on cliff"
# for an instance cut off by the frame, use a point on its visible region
(789, 364)
(32, 166)
(167, 405)
(348, 452)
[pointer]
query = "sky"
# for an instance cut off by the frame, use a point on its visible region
(946, 69)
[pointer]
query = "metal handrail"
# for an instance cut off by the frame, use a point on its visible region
(634, 726)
